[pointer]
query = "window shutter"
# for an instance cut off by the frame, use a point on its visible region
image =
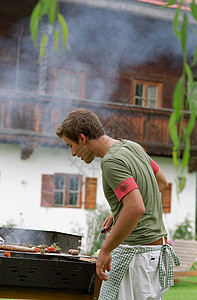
(90, 193)
(48, 186)
(166, 199)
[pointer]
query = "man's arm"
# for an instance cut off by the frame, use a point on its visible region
(133, 209)
(161, 180)
(160, 177)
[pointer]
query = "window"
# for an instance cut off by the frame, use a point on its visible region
(166, 199)
(59, 190)
(73, 189)
(147, 94)
(69, 84)
(65, 190)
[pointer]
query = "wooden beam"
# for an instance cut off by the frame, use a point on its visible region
(185, 273)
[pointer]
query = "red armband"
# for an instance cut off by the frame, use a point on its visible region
(125, 187)
(155, 166)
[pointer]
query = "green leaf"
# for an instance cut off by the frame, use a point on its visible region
(193, 7)
(173, 130)
(64, 27)
(42, 46)
(53, 11)
(190, 125)
(175, 157)
(181, 185)
(195, 57)
(178, 97)
(34, 21)
(193, 98)
(190, 79)
(45, 7)
(186, 155)
(184, 34)
(176, 22)
(170, 2)
(56, 37)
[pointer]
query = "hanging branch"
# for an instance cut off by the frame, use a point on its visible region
(185, 92)
(58, 25)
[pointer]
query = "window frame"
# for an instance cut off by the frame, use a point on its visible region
(48, 191)
(146, 84)
(67, 78)
(66, 191)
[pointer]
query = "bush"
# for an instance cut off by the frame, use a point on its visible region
(183, 231)
(95, 219)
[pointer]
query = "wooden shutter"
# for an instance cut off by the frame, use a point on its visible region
(48, 187)
(166, 199)
(90, 193)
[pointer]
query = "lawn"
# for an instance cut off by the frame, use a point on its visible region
(185, 289)
(182, 291)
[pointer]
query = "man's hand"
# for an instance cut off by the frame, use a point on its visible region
(108, 223)
(103, 263)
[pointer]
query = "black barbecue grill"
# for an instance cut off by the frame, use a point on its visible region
(20, 236)
(50, 271)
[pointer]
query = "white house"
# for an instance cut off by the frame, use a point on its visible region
(117, 59)
(21, 190)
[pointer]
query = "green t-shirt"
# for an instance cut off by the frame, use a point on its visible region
(127, 161)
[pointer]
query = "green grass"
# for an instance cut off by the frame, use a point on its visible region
(183, 289)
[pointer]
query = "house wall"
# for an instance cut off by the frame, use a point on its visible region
(182, 205)
(20, 190)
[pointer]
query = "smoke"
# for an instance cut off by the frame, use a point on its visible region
(102, 42)
(120, 39)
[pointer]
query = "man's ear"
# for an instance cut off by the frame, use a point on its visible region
(82, 138)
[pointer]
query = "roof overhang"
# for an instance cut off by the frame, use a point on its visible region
(153, 9)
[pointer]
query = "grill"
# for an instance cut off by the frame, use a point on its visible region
(45, 272)
(22, 236)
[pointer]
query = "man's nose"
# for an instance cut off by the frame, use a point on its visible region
(73, 152)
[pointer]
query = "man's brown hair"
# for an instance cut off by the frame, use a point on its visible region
(80, 121)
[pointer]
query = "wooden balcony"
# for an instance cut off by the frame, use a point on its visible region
(30, 120)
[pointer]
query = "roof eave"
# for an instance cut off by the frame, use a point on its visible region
(136, 8)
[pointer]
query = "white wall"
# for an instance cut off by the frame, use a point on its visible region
(20, 190)
(184, 204)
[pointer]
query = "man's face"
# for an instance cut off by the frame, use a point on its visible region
(80, 150)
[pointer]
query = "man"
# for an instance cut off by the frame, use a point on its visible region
(132, 183)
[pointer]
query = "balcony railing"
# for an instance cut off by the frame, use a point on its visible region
(33, 117)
